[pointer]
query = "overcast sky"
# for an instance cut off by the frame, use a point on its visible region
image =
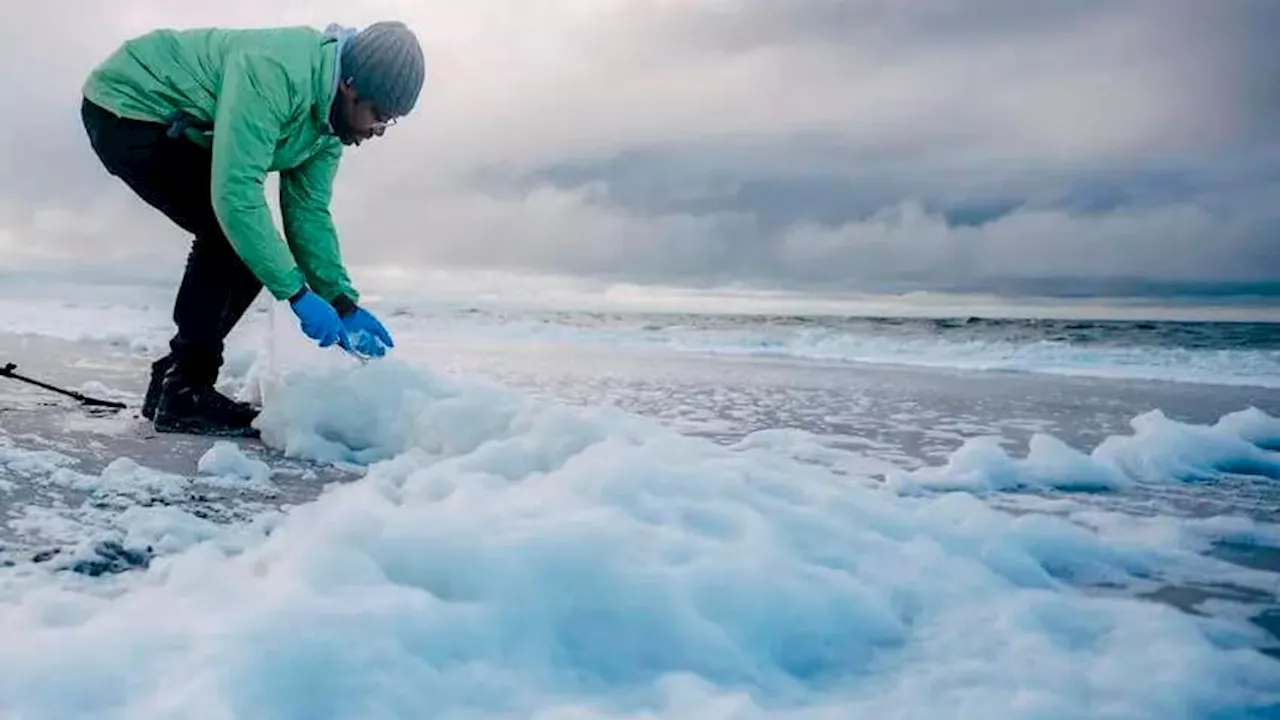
(1077, 145)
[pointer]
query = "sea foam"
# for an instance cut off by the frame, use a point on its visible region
(509, 557)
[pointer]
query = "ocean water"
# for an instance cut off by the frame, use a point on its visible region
(1242, 348)
(1236, 353)
(568, 513)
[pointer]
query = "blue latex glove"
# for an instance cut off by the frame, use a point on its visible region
(368, 335)
(320, 321)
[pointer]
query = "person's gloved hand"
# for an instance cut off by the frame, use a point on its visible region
(320, 320)
(368, 335)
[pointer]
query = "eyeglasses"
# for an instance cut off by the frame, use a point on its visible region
(381, 125)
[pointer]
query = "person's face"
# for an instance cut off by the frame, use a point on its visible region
(356, 120)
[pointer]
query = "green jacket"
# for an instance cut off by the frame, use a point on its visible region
(259, 99)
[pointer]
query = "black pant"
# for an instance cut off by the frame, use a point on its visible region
(172, 175)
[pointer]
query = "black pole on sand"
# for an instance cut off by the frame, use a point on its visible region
(8, 370)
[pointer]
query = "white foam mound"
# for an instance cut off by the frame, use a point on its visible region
(226, 460)
(1253, 425)
(507, 558)
(1166, 449)
(1160, 450)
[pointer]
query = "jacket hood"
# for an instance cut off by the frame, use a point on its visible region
(342, 35)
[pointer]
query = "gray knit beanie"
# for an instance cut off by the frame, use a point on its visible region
(384, 63)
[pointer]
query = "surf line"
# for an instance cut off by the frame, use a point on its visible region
(10, 371)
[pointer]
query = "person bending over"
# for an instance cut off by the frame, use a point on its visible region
(193, 120)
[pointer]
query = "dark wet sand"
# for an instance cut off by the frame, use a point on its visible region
(33, 418)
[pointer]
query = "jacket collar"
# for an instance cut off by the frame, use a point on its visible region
(336, 38)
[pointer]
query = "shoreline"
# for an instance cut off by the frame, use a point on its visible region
(892, 415)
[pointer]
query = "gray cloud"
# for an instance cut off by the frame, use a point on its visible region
(981, 145)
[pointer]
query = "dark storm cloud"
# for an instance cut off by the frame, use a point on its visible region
(878, 24)
(1195, 198)
(988, 144)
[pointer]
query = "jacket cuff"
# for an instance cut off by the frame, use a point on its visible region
(344, 305)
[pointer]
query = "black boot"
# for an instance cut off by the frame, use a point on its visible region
(198, 409)
(158, 370)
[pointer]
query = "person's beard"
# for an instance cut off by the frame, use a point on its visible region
(341, 127)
